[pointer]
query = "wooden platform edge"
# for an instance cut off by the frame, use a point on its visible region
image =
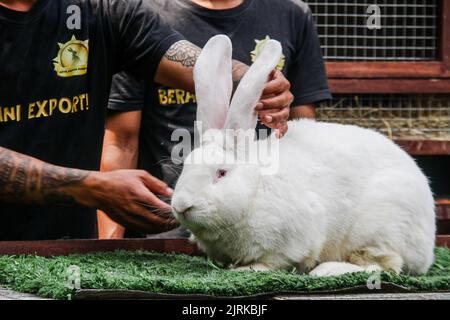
(68, 247)
(110, 294)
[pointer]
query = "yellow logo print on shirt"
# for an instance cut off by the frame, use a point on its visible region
(259, 45)
(72, 58)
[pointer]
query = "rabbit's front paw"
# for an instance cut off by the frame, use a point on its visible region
(259, 267)
(333, 269)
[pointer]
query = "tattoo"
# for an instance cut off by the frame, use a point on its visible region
(186, 53)
(183, 52)
(28, 180)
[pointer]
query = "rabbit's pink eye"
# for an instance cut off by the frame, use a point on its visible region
(220, 174)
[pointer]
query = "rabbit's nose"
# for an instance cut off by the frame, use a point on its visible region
(186, 211)
(182, 210)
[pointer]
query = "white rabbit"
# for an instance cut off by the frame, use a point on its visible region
(345, 199)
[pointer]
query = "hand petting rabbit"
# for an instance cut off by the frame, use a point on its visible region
(344, 199)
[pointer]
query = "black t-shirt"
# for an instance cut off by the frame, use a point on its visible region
(56, 65)
(248, 25)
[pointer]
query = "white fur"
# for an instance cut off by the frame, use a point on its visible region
(215, 59)
(342, 194)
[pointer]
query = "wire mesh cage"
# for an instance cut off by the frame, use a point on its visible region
(397, 116)
(409, 30)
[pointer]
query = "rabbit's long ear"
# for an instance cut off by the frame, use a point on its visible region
(242, 114)
(213, 82)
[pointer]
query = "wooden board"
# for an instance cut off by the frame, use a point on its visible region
(383, 69)
(67, 247)
(388, 291)
(425, 147)
(85, 294)
(443, 211)
(389, 86)
(443, 241)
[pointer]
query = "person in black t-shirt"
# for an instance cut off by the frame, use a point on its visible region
(143, 119)
(57, 59)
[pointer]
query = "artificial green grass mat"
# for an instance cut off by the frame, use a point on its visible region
(181, 274)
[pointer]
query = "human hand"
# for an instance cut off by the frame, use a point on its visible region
(129, 198)
(274, 107)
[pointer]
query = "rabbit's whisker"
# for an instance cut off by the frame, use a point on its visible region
(156, 210)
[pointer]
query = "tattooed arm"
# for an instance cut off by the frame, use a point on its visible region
(176, 70)
(180, 60)
(127, 195)
(28, 180)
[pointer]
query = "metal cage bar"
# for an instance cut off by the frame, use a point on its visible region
(409, 30)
